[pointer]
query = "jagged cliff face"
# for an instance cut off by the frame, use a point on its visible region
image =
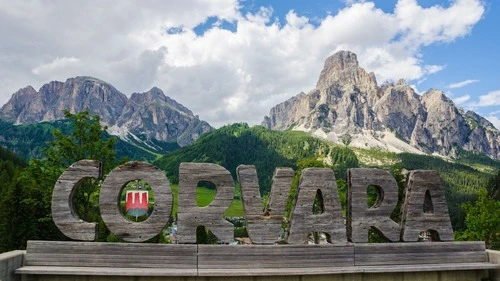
(347, 99)
(341, 101)
(156, 116)
(76, 94)
(148, 116)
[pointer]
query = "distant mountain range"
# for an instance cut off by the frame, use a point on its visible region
(347, 105)
(347, 101)
(144, 118)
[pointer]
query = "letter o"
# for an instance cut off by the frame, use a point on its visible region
(109, 201)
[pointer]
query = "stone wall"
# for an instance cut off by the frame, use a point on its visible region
(9, 262)
(494, 257)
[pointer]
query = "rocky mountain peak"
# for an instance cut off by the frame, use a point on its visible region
(393, 116)
(86, 79)
(341, 61)
(16, 104)
(434, 98)
(156, 95)
(471, 115)
(401, 82)
(335, 66)
(150, 116)
(153, 115)
(28, 88)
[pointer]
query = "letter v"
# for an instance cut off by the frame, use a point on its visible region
(263, 227)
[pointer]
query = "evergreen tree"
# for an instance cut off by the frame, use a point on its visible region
(31, 194)
(12, 225)
(482, 221)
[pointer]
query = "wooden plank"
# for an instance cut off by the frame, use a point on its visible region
(419, 253)
(254, 258)
(279, 271)
(55, 247)
(105, 271)
(110, 208)
(414, 220)
(63, 213)
(313, 182)
(190, 216)
(420, 247)
(113, 255)
(359, 217)
(264, 226)
(238, 272)
(428, 267)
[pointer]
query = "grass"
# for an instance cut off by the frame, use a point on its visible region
(204, 196)
(376, 157)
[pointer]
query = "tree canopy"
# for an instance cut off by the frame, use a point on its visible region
(26, 205)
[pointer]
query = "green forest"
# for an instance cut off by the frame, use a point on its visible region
(471, 182)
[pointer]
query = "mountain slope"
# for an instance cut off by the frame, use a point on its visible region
(237, 144)
(75, 95)
(347, 100)
(28, 140)
(145, 118)
(156, 116)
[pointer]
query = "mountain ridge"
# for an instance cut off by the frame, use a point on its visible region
(392, 116)
(149, 116)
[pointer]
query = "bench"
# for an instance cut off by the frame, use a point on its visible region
(116, 259)
(421, 256)
(128, 259)
(259, 260)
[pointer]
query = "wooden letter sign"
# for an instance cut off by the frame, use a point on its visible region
(424, 208)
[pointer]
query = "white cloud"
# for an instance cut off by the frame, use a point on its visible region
(462, 99)
(462, 83)
(490, 99)
(351, 2)
(431, 69)
(224, 76)
(416, 89)
(57, 65)
(494, 119)
(425, 26)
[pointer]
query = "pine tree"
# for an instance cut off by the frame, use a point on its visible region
(32, 193)
(482, 221)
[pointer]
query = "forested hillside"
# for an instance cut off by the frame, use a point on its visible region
(237, 144)
(27, 189)
(27, 140)
(11, 167)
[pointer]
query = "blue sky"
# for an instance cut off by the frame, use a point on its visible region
(231, 61)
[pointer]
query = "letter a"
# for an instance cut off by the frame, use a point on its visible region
(315, 181)
(424, 192)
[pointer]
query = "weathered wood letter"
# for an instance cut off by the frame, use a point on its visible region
(315, 181)
(190, 216)
(359, 217)
(63, 212)
(264, 227)
(418, 217)
(109, 201)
